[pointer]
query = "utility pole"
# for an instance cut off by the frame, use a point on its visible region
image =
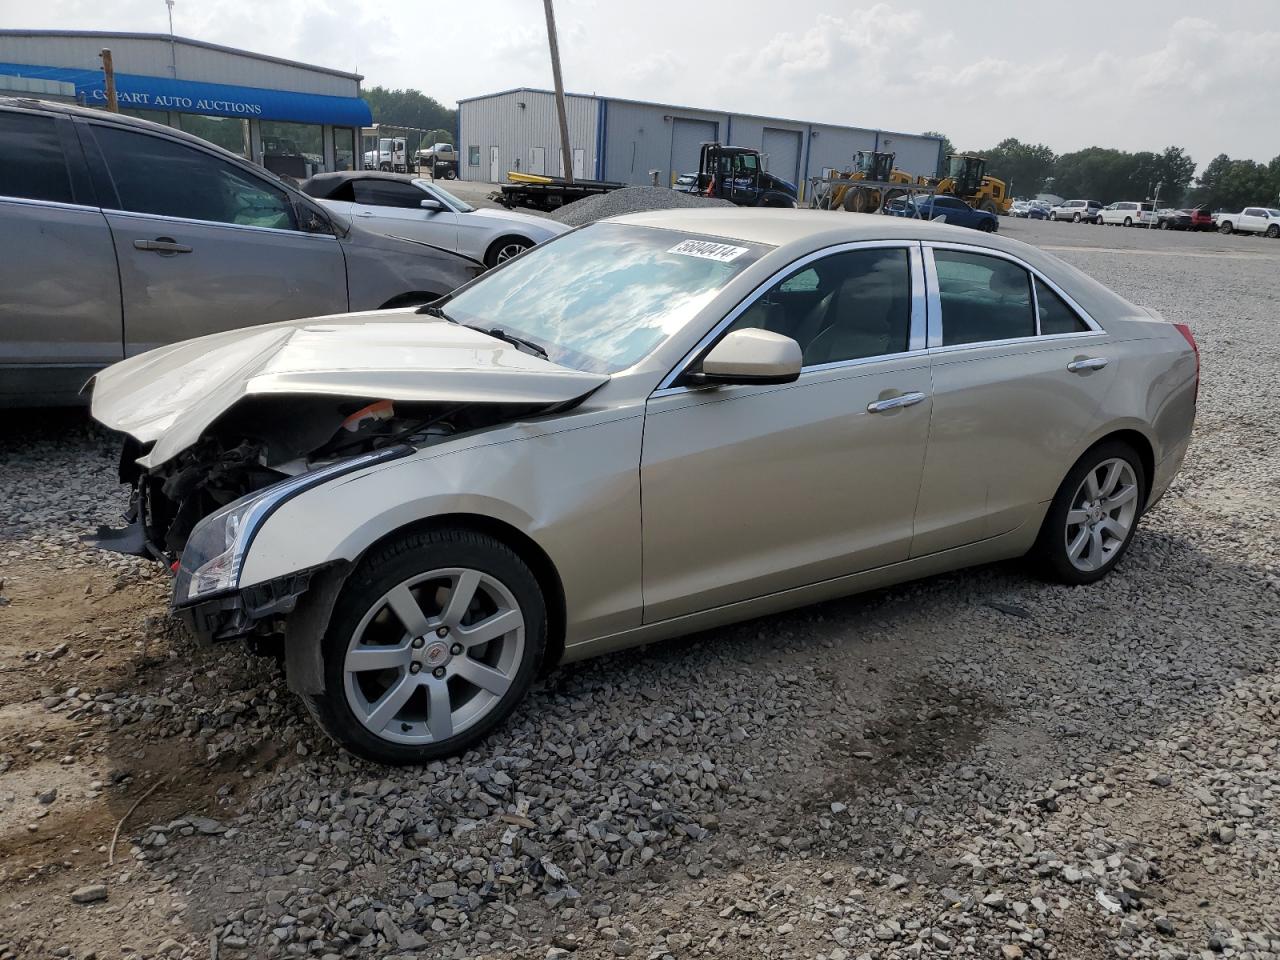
(173, 47)
(109, 75)
(566, 151)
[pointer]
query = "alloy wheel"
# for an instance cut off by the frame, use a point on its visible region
(434, 655)
(509, 250)
(1102, 514)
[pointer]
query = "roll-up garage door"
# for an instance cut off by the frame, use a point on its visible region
(687, 138)
(782, 147)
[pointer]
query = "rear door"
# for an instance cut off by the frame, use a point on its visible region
(394, 208)
(1253, 219)
(1012, 397)
(205, 244)
(60, 302)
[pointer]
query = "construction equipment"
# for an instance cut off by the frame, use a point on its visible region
(735, 174)
(967, 179)
(868, 165)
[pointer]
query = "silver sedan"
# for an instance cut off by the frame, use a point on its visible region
(650, 426)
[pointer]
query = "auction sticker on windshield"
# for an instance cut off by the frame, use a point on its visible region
(707, 250)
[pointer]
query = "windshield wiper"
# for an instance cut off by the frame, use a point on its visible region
(511, 338)
(432, 310)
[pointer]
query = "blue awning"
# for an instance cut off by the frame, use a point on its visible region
(137, 92)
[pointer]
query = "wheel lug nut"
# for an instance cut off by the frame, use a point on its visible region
(442, 632)
(456, 649)
(418, 643)
(438, 673)
(415, 667)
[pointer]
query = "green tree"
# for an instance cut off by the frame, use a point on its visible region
(412, 108)
(1022, 166)
(1228, 184)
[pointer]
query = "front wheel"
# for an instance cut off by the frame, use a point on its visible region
(1224, 228)
(384, 167)
(1128, 221)
(1273, 231)
(504, 249)
(1052, 215)
(433, 641)
(1094, 514)
(1076, 218)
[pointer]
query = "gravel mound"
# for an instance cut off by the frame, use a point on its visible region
(629, 200)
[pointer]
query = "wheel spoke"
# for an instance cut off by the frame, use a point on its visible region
(389, 704)
(1095, 551)
(1076, 517)
(1114, 527)
(1121, 496)
(405, 606)
(377, 658)
(1091, 484)
(502, 622)
(1114, 469)
(1077, 545)
(484, 677)
(439, 710)
(464, 591)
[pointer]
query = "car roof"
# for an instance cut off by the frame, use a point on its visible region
(815, 228)
(324, 184)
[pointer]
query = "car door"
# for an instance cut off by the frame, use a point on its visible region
(394, 208)
(1019, 375)
(1253, 219)
(205, 244)
(750, 490)
(60, 309)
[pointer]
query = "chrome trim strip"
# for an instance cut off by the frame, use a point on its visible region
(56, 204)
(933, 298)
(1016, 341)
(273, 231)
(919, 311)
(674, 373)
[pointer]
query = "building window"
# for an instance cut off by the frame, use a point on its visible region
(292, 149)
(344, 148)
(155, 116)
(228, 133)
(473, 156)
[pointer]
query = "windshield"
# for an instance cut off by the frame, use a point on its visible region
(436, 190)
(602, 298)
(1274, 213)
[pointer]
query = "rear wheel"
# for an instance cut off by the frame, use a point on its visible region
(1053, 215)
(1094, 514)
(433, 641)
(384, 167)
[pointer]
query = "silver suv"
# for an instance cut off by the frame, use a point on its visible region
(122, 235)
(1076, 211)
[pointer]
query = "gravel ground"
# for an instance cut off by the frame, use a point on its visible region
(975, 765)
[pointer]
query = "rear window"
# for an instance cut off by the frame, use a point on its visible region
(31, 162)
(1148, 206)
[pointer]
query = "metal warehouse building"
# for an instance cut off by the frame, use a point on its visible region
(293, 118)
(627, 140)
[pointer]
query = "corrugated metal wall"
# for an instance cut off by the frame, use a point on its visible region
(781, 150)
(835, 146)
(639, 138)
(499, 121)
(151, 57)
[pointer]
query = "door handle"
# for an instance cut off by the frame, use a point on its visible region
(1089, 363)
(893, 403)
(365, 213)
(162, 245)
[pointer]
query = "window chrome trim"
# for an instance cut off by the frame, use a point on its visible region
(935, 298)
(915, 339)
(56, 204)
(274, 231)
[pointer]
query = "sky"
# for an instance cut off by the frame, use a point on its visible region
(1132, 74)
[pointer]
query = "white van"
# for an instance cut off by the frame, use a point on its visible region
(1129, 213)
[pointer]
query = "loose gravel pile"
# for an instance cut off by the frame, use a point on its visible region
(629, 200)
(978, 765)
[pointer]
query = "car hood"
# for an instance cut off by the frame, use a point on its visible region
(170, 395)
(510, 216)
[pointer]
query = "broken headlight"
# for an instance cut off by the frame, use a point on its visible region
(214, 553)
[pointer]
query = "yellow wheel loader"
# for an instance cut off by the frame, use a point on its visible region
(867, 165)
(967, 179)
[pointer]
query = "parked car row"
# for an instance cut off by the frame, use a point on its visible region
(1263, 220)
(1030, 209)
(122, 235)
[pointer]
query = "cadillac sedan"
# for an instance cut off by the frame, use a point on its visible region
(646, 427)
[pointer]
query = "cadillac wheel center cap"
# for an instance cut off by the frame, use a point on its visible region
(436, 653)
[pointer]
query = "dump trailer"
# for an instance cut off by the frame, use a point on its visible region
(736, 174)
(967, 179)
(548, 193)
(869, 167)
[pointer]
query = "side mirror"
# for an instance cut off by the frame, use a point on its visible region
(752, 356)
(435, 206)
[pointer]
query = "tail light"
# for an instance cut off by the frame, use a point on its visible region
(1183, 329)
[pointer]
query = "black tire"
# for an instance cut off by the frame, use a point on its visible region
(1053, 215)
(384, 167)
(987, 226)
(451, 174)
(1273, 231)
(392, 564)
(1128, 221)
(1049, 554)
(1076, 218)
(504, 249)
(1225, 227)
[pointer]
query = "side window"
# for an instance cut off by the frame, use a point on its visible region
(1254, 212)
(473, 156)
(32, 165)
(1055, 315)
(983, 298)
(846, 306)
(388, 193)
(155, 175)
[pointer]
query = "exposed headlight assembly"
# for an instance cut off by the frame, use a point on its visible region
(215, 551)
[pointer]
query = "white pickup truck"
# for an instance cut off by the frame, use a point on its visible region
(1264, 220)
(389, 156)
